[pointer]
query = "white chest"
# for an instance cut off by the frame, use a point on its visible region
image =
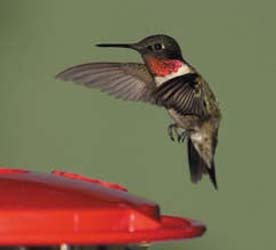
(183, 70)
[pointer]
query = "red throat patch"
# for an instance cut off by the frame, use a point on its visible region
(163, 67)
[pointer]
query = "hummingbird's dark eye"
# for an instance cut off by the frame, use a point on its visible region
(158, 46)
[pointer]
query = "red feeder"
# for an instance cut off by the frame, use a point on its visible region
(62, 209)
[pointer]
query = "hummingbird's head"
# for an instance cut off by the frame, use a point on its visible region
(158, 51)
(159, 46)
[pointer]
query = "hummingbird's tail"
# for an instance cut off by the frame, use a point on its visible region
(198, 167)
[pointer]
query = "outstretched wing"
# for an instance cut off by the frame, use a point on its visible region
(184, 94)
(128, 81)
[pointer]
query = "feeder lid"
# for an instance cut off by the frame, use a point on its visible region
(61, 207)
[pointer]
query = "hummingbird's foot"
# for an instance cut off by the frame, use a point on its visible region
(181, 137)
(172, 131)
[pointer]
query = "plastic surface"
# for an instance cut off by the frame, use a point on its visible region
(59, 207)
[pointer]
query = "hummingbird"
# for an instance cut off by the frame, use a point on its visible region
(167, 80)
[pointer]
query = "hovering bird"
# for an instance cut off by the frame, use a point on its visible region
(165, 79)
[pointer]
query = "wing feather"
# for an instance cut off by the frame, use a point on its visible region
(183, 94)
(128, 81)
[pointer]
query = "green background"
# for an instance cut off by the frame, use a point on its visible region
(48, 124)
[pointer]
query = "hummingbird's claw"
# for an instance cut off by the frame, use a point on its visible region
(174, 132)
(171, 129)
(181, 137)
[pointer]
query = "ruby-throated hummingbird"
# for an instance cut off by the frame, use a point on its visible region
(165, 79)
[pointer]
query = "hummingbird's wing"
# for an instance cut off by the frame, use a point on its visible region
(128, 81)
(184, 94)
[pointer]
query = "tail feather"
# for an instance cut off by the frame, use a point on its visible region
(212, 174)
(198, 167)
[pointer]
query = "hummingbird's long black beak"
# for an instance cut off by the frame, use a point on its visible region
(117, 45)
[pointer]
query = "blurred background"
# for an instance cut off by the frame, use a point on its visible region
(49, 124)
